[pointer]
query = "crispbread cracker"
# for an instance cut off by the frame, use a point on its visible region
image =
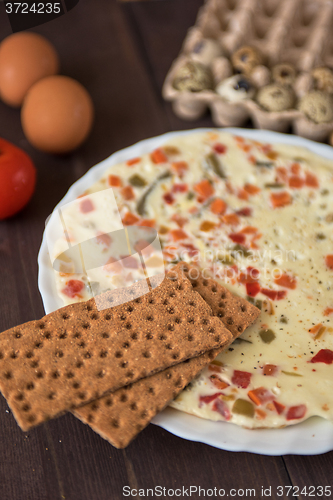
(119, 417)
(235, 312)
(77, 354)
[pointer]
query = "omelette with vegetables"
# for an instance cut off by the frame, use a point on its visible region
(259, 218)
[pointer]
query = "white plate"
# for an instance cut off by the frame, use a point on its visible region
(311, 437)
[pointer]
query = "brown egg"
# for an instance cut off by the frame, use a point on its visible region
(25, 58)
(57, 114)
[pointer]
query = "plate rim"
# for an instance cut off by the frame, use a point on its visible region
(297, 437)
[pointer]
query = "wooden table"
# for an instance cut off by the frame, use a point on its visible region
(121, 53)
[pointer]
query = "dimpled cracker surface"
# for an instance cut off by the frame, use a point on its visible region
(235, 312)
(121, 416)
(77, 353)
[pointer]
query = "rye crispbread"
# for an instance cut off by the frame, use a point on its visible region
(120, 416)
(78, 353)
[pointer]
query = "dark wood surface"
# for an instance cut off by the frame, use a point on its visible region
(121, 53)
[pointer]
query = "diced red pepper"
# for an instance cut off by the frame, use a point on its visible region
(204, 189)
(115, 181)
(127, 193)
(252, 289)
(242, 194)
(231, 219)
(168, 198)
(315, 329)
(260, 414)
(179, 188)
(280, 199)
(178, 219)
(219, 148)
(86, 206)
(328, 311)
(241, 379)
(130, 219)
(208, 399)
(178, 234)
(190, 249)
(270, 370)
(237, 238)
(239, 139)
(147, 223)
(73, 288)
(253, 272)
(329, 261)
(133, 161)
(249, 230)
(180, 167)
(158, 156)
(220, 384)
(295, 168)
(260, 395)
(311, 180)
(104, 239)
(170, 252)
(296, 412)
(129, 262)
(218, 206)
(245, 212)
(281, 174)
(323, 356)
(251, 189)
(274, 294)
(214, 368)
(286, 281)
(296, 182)
(144, 245)
(113, 266)
(279, 407)
(222, 408)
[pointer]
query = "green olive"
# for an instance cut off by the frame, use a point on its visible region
(137, 181)
(243, 407)
(267, 336)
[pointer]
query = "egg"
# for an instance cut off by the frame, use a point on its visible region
(57, 114)
(25, 58)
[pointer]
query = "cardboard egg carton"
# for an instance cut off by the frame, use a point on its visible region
(289, 31)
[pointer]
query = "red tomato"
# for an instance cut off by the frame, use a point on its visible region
(73, 288)
(270, 370)
(241, 379)
(329, 261)
(280, 199)
(220, 384)
(252, 289)
(237, 238)
(260, 395)
(130, 219)
(286, 281)
(158, 156)
(323, 356)
(222, 408)
(86, 206)
(245, 212)
(274, 294)
(279, 407)
(17, 179)
(208, 399)
(220, 148)
(296, 412)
